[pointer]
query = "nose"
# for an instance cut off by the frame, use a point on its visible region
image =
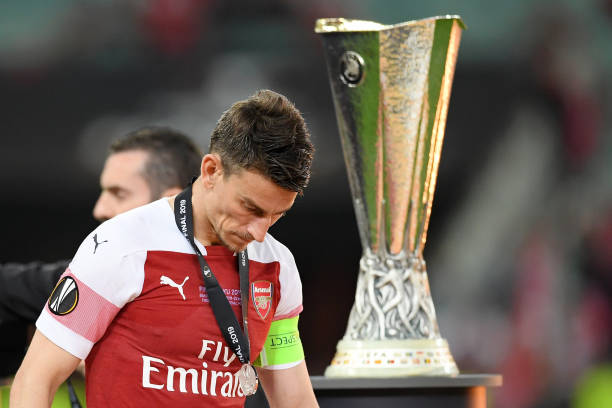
(102, 210)
(259, 227)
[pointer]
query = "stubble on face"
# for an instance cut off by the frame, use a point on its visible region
(239, 208)
(243, 236)
(219, 236)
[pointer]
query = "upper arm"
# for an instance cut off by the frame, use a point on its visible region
(100, 280)
(282, 347)
(283, 373)
(43, 369)
(290, 387)
(290, 304)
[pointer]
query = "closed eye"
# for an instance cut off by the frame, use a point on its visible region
(253, 210)
(118, 192)
(259, 212)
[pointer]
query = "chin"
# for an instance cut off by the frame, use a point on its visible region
(237, 246)
(239, 249)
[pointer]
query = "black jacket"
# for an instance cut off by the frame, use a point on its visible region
(24, 289)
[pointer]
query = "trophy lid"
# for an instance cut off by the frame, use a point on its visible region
(343, 25)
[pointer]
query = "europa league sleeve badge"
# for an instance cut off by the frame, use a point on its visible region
(64, 297)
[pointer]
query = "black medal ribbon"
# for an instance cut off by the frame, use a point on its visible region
(224, 315)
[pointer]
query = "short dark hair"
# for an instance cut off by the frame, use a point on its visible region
(265, 133)
(172, 161)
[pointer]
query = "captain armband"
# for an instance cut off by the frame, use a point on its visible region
(283, 347)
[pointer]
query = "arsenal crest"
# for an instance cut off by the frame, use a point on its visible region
(261, 293)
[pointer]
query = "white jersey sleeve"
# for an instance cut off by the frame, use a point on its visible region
(105, 274)
(277, 355)
(290, 304)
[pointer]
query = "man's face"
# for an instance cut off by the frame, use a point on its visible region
(123, 186)
(243, 206)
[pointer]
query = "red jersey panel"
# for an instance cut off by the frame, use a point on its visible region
(136, 307)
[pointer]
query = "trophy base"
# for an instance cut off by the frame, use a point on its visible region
(392, 358)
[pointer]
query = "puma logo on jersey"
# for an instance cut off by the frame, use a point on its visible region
(95, 238)
(164, 280)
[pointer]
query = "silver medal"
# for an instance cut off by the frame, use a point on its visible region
(247, 378)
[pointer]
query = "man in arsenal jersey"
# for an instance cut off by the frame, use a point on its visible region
(134, 303)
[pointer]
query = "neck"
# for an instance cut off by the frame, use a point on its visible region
(203, 230)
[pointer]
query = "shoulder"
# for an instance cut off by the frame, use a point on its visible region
(133, 230)
(146, 228)
(111, 258)
(270, 250)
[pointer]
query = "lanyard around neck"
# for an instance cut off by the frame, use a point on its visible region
(237, 340)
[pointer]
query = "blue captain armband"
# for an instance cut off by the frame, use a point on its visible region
(283, 347)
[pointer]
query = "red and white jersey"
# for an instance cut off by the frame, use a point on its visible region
(133, 303)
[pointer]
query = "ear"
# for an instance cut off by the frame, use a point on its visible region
(172, 191)
(211, 169)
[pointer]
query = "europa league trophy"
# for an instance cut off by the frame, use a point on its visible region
(391, 87)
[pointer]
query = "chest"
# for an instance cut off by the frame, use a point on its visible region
(173, 318)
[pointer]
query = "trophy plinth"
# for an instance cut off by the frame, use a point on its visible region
(391, 88)
(392, 358)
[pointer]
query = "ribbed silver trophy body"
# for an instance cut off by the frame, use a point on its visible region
(391, 88)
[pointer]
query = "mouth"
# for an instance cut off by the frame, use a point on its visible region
(245, 237)
(242, 240)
